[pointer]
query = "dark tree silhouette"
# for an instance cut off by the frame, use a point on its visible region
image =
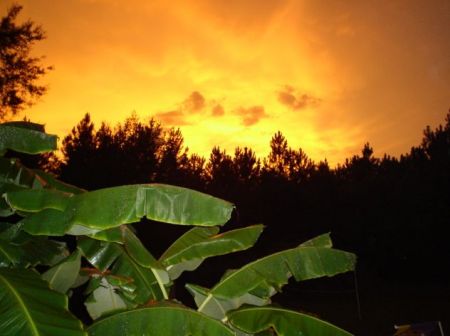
(19, 72)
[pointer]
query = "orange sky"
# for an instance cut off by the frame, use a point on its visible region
(331, 75)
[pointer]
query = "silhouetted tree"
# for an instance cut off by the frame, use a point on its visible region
(78, 149)
(173, 158)
(19, 72)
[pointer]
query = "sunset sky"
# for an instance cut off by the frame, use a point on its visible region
(331, 75)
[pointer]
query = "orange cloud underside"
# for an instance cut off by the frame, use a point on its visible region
(233, 73)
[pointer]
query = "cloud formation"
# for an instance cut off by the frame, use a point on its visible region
(296, 100)
(217, 111)
(251, 115)
(172, 118)
(194, 103)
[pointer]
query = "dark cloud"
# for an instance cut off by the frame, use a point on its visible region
(172, 118)
(217, 111)
(194, 103)
(251, 115)
(295, 100)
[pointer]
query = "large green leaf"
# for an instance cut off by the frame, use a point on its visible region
(265, 276)
(62, 276)
(25, 140)
(111, 207)
(285, 322)
(199, 243)
(29, 308)
(10, 254)
(160, 320)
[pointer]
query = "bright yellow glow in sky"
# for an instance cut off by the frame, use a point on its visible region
(330, 75)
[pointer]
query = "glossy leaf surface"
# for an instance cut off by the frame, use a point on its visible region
(29, 308)
(267, 275)
(187, 252)
(25, 140)
(108, 208)
(285, 322)
(162, 320)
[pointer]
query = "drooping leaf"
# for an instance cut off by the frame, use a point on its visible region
(187, 252)
(159, 320)
(285, 322)
(25, 140)
(28, 307)
(265, 276)
(103, 300)
(62, 276)
(111, 207)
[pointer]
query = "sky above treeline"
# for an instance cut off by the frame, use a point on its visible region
(331, 75)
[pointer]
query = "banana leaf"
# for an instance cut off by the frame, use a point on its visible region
(52, 183)
(140, 255)
(111, 207)
(29, 308)
(13, 172)
(265, 276)
(285, 322)
(105, 255)
(100, 254)
(62, 276)
(159, 320)
(323, 240)
(25, 140)
(48, 222)
(217, 307)
(189, 251)
(20, 249)
(35, 200)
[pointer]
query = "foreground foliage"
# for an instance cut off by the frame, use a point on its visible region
(127, 290)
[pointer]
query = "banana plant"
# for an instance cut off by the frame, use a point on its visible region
(126, 289)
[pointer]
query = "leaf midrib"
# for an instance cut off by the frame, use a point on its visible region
(22, 304)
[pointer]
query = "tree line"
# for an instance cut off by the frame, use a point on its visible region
(393, 212)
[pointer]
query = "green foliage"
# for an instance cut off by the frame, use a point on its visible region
(127, 290)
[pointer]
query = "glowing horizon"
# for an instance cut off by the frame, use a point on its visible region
(329, 77)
